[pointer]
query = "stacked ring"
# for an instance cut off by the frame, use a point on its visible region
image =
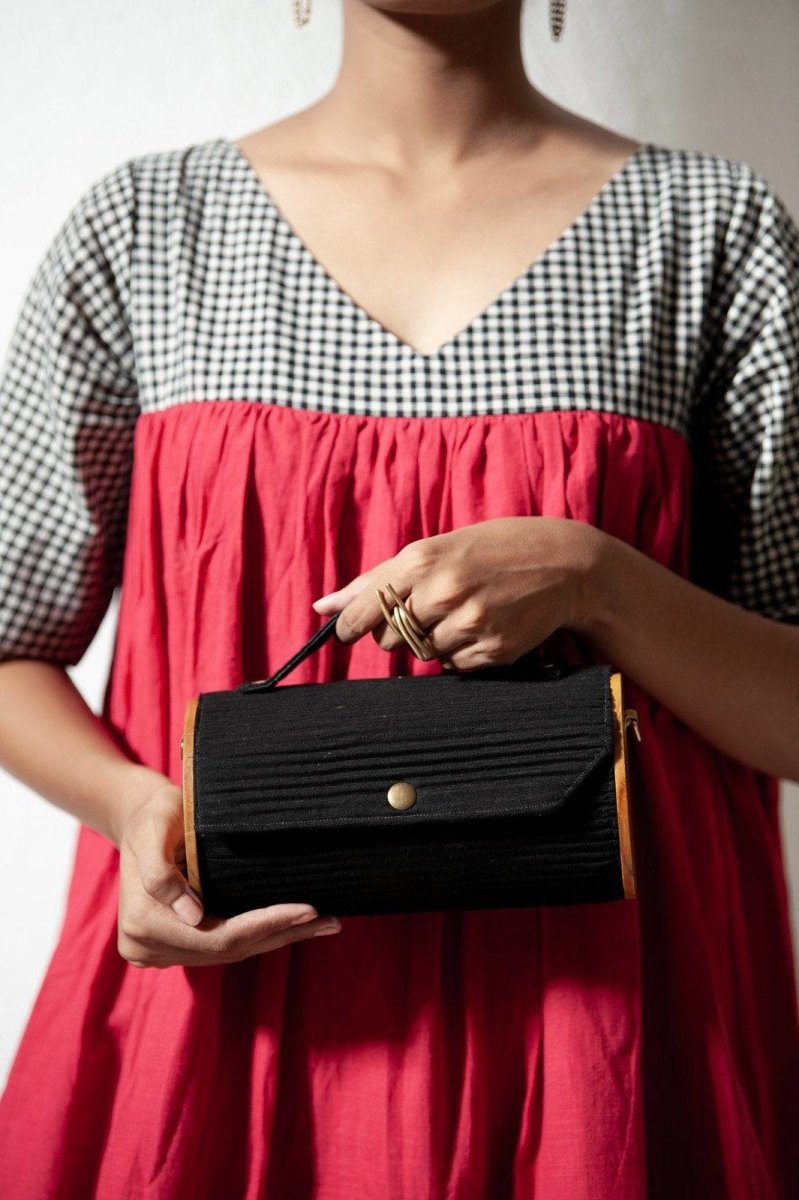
(400, 620)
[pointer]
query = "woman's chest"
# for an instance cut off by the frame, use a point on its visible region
(228, 305)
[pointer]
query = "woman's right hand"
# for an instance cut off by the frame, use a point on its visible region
(161, 922)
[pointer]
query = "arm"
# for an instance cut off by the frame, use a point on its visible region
(69, 408)
(52, 741)
(714, 657)
(493, 590)
(729, 673)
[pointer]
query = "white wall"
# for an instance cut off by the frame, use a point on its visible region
(85, 85)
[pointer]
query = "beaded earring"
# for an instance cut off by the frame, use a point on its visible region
(302, 11)
(557, 12)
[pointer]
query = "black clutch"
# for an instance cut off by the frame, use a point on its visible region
(500, 787)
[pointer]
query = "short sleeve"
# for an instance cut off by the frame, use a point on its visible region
(746, 515)
(68, 407)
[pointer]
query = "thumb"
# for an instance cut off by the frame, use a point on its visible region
(160, 877)
(188, 907)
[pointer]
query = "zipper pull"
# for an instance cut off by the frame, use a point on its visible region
(631, 718)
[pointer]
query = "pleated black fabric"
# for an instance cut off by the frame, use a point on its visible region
(514, 780)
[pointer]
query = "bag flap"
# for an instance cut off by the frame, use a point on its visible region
(325, 755)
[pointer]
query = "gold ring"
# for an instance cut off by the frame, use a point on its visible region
(405, 611)
(402, 622)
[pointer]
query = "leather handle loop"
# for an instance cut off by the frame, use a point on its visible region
(530, 665)
(313, 643)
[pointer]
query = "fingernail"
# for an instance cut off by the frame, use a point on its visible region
(306, 916)
(330, 927)
(188, 909)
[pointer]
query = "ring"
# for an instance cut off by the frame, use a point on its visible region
(402, 622)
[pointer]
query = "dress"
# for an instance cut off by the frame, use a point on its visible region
(194, 409)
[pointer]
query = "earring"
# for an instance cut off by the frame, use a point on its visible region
(557, 11)
(302, 12)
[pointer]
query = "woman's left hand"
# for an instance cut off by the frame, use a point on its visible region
(484, 593)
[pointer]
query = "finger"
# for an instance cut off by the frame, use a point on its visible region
(441, 627)
(462, 643)
(468, 651)
(332, 601)
(154, 845)
(258, 923)
(220, 938)
(449, 636)
(217, 934)
(146, 954)
(359, 597)
(320, 928)
(385, 633)
(365, 612)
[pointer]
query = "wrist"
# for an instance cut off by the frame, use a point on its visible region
(139, 784)
(595, 572)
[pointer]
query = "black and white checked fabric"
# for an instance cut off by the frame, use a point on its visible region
(673, 298)
(745, 429)
(68, 408)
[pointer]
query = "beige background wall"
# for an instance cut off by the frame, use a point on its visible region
(86, 85)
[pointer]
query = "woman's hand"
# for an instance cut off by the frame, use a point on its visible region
(491, 591)
(161, 921)
(485, 593)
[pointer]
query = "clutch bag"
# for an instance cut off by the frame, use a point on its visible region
(501, 787)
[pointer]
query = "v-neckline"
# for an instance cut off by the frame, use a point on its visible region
(484, 314)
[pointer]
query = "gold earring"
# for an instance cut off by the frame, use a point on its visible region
(302, 11)
(557, 12)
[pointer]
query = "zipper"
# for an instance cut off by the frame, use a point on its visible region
(631, 718)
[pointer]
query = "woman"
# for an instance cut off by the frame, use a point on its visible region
(249, 380)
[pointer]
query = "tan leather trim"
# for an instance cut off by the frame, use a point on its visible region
(622, 775)
(192, 865)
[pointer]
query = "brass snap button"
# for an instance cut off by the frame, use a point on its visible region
(402, 794)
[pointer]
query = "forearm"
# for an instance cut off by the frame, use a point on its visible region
(731, 674)
(52, 741)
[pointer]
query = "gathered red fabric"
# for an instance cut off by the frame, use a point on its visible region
(596, 1052)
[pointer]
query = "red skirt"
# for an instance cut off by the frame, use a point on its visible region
(625, 1051)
